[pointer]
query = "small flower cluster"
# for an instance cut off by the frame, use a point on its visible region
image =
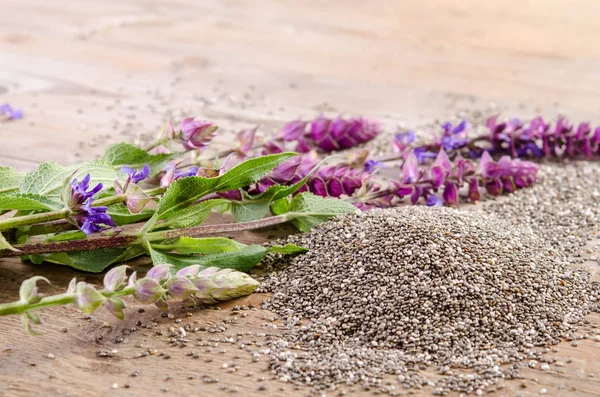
(193, 283)
(7, 112)
(172, 174)
(326, 135)
(136, 198)
(89, 219)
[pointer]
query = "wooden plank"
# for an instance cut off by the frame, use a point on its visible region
(89, 75)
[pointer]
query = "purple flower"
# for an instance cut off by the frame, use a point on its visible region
(172, 174)
(450, 194)
(89, 219)
(246, 140)
(195, 134)
(402, 140)
(136, 176)
(440, 168)
(8, 113)
(293, 130)
(423, 154)
(372, 165)
(79, 192)
(335, 181)
(433, 200)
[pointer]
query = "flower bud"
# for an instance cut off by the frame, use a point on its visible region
(189, 271)
(159, 272)
(29, 291)
(180, 287)
(116, 306)
(136, 199)
(148, 290)
(114, 280)
(87, 298)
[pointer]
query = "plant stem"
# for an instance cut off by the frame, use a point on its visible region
(127, 239)
(199, 231)
(14, 222)
(20, 307)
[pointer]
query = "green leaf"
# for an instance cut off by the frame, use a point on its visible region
(256, 207)
(250, 171)
(48, 179)
(289, 249)
(93, 261)
(242, 260)
(186, 191)
(280, 206)
(5, 245)
(208, 245)
(308, 210)
(27, 202)
(192, 216)
(126, 154)
(246, 211)
(122, 216)
(10, 180)
(183, 193)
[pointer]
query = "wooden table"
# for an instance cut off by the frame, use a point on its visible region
(89, 74)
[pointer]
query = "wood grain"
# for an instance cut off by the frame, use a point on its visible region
(89, 74)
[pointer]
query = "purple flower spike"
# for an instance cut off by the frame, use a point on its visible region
(80, 193)
(327, 135)
(7, 112)
(136, 176)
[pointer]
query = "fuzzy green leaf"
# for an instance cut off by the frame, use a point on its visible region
(27, 202)
(183, 193)
(256, 207)
(187, 191)
(49, 178)
(192, 216)
(93, 261)
(308, 210)
(242, 260)
(122, 216)
(280, 206)
(250, 171)
(10, 180)
(126, 154)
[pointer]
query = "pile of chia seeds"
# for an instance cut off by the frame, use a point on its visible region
(468, 293)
